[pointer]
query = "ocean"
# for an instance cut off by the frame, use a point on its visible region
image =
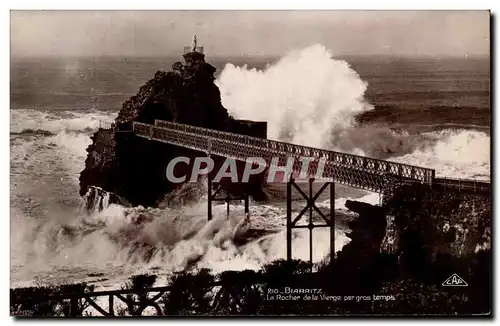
(432, 112)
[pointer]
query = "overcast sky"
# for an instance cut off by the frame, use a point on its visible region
(145, 33)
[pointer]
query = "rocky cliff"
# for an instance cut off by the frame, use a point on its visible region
(439, 225)
(439, 232)
(134, 168)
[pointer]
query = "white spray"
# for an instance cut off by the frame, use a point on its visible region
(302, 97)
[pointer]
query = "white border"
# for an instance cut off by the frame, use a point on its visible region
(184, 4)
(256, 4)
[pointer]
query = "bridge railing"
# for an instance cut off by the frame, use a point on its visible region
(109, 303)
(105, 124)
(470, 185)
(405, 170)
(360, 171)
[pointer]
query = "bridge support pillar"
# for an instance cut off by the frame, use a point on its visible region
(311, 197)
(214, 189)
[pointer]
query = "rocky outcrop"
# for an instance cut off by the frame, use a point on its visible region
(134, 168)
(359, 267)
(438, 232)
(439, 224)
(367, 233)
(185, 95)
(97, 199)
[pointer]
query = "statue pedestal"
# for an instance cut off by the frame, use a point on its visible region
(192, 56)
(188, 49)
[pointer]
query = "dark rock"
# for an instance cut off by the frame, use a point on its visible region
(367, 230)
(178, 68)
(436, 226)
(134, 168)
(356, 264)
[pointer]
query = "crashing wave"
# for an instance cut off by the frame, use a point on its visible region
(96, 200)
(302, 96)
(57, 121)
(310, 98)
(35, 132)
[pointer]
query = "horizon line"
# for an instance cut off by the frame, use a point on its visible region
(255, 55)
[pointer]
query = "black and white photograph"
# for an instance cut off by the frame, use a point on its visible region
(218, 163)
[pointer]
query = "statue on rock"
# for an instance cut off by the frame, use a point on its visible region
(134, 168)
(193, 43)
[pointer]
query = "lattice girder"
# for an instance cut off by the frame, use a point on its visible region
(353, 170)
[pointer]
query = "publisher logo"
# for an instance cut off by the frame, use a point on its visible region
(454, 280)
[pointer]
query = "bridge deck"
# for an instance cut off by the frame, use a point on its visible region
(353, 170)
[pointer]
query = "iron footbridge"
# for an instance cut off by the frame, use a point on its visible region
(352, 170)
